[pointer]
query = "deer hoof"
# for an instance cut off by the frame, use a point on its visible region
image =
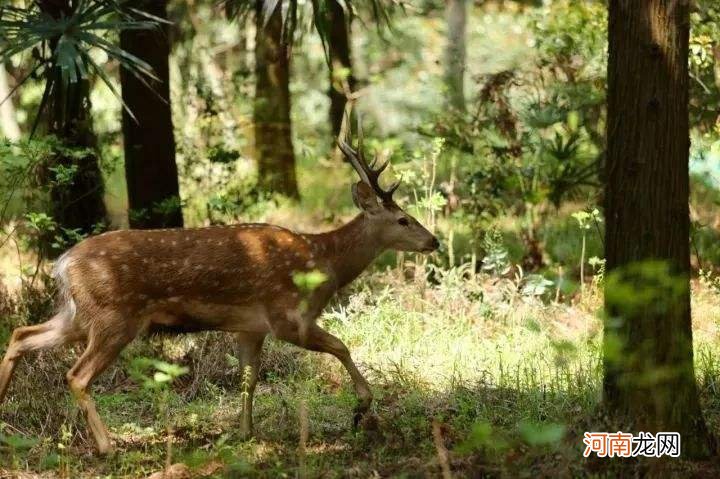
(105, 449)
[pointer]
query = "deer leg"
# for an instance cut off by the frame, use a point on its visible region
(100, 352)
(31, 338)
(250, 350)
(317, 339)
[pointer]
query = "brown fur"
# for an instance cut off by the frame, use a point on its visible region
(239, 279)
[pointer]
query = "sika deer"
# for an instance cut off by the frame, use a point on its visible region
(239, 279)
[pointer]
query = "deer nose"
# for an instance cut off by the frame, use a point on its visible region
(434, 244)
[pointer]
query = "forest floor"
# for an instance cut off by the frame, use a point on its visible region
(506, 383)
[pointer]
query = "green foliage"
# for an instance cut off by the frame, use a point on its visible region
(307, 282)
(17, 442)
(705, 68)
(586, 219)
(651, 286)
(482, 436)
(28, 172)
(496, 260)
(314, 14)
(513, 375)
(536, 285)
(164, 208)
(163, 375)
(65, 41)
(539, 434)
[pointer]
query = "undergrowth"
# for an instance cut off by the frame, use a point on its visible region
(511, 379)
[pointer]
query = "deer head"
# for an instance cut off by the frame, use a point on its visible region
(390, 224)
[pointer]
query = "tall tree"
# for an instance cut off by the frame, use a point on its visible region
(150, 168)
(77, 204)
(276, 21)
(8, 124)
(649, 378)
(341, 73)
(455, 53)
(271, 114)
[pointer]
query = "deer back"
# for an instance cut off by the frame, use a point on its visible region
(241, 265)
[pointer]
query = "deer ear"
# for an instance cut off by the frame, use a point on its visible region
(365, 198)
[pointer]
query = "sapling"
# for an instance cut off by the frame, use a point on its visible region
(585, 220)
(159, 384)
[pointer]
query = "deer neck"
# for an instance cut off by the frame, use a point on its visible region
(349, 249)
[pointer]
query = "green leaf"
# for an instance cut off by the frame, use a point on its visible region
(18, 442)
(161, 377)
(309, 281)
(541, 434)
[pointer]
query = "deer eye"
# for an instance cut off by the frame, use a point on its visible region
(404, 221)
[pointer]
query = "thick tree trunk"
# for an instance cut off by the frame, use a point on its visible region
(8, 123)
(341, 76)
(150, 168)
(649, 379)
(271, 115)
(76, 205)
(455, 54)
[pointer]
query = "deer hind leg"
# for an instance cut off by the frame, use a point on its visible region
(54, 332)
(317, 339)
(102, 349)
(250, 351)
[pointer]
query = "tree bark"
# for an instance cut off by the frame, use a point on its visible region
(649, 380)
(150, 168)
(271, 114)
(341, 73)
(76, 205)
(455, 53)
(8, 123)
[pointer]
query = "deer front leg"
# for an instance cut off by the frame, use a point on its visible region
(321, 340)
(317, 339)
(250, 350)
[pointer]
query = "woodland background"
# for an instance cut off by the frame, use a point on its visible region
(486, 358)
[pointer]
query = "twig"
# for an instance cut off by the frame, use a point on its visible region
(302, 445)
(442, 451)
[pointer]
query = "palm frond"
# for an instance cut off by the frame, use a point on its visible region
(316, 14)
(72, 38)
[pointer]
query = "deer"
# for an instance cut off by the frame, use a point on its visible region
(116, 286)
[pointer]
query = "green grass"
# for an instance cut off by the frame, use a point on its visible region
(513, 382)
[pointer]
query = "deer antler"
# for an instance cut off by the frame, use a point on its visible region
(368, 173)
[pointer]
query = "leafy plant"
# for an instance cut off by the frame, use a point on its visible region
(63, 37)
(163, 375)
(585, 219)
(536, 285)
(496, 260)
(313, 14)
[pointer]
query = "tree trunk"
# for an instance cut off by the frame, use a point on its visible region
(649, 381)
(716, 68)
(8, 124)
(455, 54)
(76, 205)
(271, 114)
(150, 168)
(341, 76)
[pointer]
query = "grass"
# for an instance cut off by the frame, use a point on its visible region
(512, 382)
